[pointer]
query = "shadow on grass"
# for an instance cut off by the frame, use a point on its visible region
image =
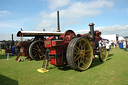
(5, 57)
(110, 55)
(2, 57)
(7, 81)
(95, 62)
(65, 68)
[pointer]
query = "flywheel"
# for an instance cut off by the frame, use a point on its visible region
(37, 50)
(79, 53)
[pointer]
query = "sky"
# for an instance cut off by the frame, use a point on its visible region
(109, 16)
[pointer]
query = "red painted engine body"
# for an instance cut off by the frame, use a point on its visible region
(58, 47)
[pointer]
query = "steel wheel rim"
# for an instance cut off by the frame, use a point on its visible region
(38, 50)
(103, 54)
(83, 54)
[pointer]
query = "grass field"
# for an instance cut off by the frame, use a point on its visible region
(112, 72)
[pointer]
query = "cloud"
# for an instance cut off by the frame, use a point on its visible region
(3, 13)
(13, 26)
(82, 31)
(9, 25)
(72, 13)
(48, 22)
(8, 36)
(115, 29)
(54, 4)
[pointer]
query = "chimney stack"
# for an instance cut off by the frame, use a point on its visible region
(92, 29)
(58, 23)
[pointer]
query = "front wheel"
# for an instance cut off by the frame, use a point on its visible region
(103, 54)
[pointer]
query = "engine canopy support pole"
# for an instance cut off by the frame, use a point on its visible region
(58, 23)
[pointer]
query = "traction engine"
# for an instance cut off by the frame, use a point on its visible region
(77, 51)
(66, 48)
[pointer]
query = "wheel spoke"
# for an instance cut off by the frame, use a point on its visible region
(38, 55)
(77, 58)
(87, 58)
(77, 53)
(43, 54)
(35, 55)
(80, 45)
(84, 59)
(34, 49)
(103, 55)
(83, 63)
(43, 50)
(87, 50)
(80, 59)
(84, 45)
(37, 46)
(77, 49)
(34, 52)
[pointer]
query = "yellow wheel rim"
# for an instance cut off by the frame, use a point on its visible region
(103, 54)
(83, 54)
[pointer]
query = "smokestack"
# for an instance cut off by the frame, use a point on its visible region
(12, 37)
(12, 40)
(92, 29)
(58, 23)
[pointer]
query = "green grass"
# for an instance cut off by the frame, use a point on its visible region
(112, 72)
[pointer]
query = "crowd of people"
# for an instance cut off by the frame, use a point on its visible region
(108, 44)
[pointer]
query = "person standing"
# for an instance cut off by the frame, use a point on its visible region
(124, 44)
(107, 46)
(115, 44)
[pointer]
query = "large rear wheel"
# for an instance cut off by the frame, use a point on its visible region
(37, 50)
(79, 54)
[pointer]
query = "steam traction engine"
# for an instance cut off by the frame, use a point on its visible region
(77, 51)
(65, 48)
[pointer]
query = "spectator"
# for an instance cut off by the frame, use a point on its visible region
(103, 42)
(124, 44)
(13, 50)
(107, 46)
(100, 44)
(115, 44)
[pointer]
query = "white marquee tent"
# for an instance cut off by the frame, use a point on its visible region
(112, 37)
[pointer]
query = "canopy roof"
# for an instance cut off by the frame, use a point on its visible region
(37, 33)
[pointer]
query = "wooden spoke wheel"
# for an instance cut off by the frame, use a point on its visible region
(79, 54)
(103, 54)
(37, 50)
